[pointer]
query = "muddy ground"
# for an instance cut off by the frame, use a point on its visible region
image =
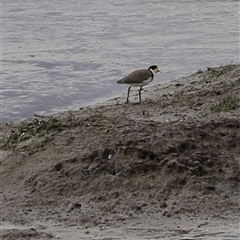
(168, 168)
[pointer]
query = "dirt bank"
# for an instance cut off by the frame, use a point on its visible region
(166, 167)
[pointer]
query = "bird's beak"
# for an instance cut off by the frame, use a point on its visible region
(158, 70)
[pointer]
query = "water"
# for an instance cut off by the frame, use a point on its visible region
(59, 55)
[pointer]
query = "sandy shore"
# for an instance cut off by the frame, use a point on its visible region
(166, 168)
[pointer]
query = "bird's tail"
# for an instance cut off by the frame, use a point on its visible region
(121, 81)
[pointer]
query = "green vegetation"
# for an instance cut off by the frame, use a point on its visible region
(216, 72)
(226, 104)
(37, 128)
(101, 116)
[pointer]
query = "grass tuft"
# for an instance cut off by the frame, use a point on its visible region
(226, 104)
(36, 129)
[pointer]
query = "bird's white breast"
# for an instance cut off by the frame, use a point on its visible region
(143, 83)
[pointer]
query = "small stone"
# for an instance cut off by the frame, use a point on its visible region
(196, 163)
(163, 204)
(58, 166)
(172, 164)
(209, 163)
(76, 205)
(219, 92)
(139, 205)
(210, 188)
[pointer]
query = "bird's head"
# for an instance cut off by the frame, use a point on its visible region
(154, 68)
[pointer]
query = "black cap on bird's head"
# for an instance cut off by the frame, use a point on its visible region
(154, 68)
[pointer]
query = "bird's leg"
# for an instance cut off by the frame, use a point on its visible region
(128, 94)
(140, 94)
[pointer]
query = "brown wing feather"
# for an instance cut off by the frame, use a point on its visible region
(136, 76)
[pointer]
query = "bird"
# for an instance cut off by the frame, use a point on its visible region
(139, 78)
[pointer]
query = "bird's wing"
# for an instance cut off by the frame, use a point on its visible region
(136, 76)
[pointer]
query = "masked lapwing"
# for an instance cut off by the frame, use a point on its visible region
(139, 78)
